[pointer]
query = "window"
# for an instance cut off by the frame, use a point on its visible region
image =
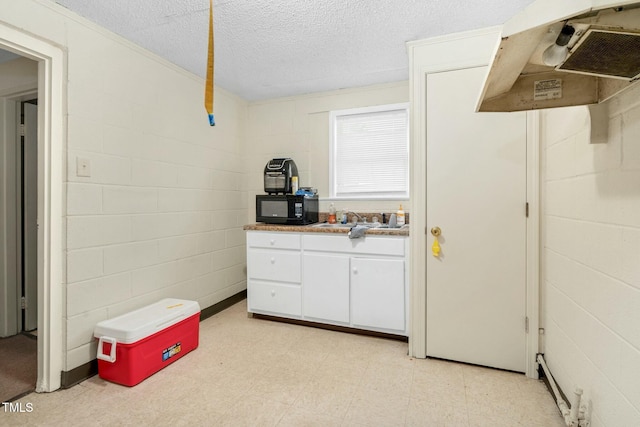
(369, 155)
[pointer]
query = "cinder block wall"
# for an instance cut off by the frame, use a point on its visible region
(162, 211)
(591, 257)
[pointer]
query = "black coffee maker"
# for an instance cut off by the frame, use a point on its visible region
(278, 176)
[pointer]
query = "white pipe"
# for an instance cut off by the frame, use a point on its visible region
(575, 407)
(562, 405)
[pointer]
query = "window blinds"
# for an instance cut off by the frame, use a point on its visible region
(371, 154)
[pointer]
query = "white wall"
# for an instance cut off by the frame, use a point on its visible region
(162, 213)
(298, 127)
(591, 286)
(18, 75)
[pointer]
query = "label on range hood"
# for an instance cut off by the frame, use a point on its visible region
(544, 90)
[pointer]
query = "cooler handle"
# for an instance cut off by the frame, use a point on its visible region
(112, 356)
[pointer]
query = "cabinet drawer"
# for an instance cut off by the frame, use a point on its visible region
(259, 239)
(279, 266)
(274, 298)
(369, 245)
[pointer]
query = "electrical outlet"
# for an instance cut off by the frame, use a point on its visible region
(83, 167)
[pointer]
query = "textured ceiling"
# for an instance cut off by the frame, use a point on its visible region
(272, 48)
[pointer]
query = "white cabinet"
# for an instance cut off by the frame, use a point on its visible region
(368, 274)
(275, 265)
(326, 287)
(274, 273)
(378, 293)
(328, 278)
(274, 298)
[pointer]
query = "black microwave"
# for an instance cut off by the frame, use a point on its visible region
(287, 209)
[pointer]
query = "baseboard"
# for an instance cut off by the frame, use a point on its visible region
(331, 327)
(77, 375)
(223, 305)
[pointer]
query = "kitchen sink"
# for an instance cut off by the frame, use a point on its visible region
(351, 224)
(327, 225)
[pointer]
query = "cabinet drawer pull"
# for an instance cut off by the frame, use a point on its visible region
(355, 270)
(272, 241)
(273, 293)
(273, 260)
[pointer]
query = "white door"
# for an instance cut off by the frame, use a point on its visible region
(476, 195)
(30, 217)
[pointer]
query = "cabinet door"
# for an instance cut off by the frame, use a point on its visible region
(325, 290)
(378, 293)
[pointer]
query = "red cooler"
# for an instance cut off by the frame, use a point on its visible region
(138, 344)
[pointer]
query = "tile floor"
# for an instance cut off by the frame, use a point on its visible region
(251, 372)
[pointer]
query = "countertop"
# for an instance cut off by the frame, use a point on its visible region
(338, 230)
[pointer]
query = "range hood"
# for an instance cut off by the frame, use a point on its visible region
(599, 55)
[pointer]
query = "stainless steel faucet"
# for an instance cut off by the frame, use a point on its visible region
(360, 218)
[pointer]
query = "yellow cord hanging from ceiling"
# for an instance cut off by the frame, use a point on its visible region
(208, 90)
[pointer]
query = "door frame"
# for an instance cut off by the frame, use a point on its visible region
(448, 53)
(51, 158)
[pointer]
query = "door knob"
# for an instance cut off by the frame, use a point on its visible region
(435, 231)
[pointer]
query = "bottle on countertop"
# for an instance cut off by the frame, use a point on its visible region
(332, 214)
(294, 184)
(400, 216)
(344, 218)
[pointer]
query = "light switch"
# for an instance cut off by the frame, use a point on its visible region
(83, 167)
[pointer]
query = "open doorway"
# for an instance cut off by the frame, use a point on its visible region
(18, 228)
(49, 90)
(28, 217)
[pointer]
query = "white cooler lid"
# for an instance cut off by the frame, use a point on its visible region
(143, 322)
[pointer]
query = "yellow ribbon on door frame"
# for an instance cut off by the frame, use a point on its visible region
(208, 90)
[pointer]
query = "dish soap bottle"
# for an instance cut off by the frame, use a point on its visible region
(400, 216)
(332, 214)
